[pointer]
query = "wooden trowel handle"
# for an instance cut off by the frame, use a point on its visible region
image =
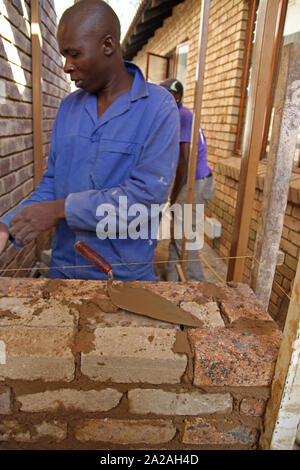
(93, 257)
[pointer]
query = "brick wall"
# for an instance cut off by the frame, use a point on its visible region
(16, 126)
(221, 97)
(78, 373)
(223, 207)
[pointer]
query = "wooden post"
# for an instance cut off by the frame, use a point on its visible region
(36, 38)
(283, 408)
(285, 130)
(264, 54)
(204, 20)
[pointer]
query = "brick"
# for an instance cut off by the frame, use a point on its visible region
(38, 353)
(291, 262)
(86, 401)
(233, 358)
(121, 318)
(292, 223)
(5, 203)
(252, 406)
(208, 313)
(296, 212)
(21, 192)
(135, 355)
(10, 145)
(286, 272)
(125, 432)
(242, 303)
(203, 431)
(15, 126)
(184, 403)
(13, 35)
(27, 432)
(38, 313)
(8, 183)
(294, 237)
(289, 248)
(5, 397)
(15, 16)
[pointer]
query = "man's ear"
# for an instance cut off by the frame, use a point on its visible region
(109, 45)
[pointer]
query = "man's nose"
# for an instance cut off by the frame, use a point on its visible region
(68, 67)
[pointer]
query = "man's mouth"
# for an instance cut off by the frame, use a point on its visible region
(78, 82)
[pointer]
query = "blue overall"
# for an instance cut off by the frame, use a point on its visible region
(131, 150)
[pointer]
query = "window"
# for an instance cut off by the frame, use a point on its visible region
(172, 65)
(157, 68)
(180, 63)
(246, 74)
(283, 30)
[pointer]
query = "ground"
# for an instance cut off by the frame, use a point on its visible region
(161, 255)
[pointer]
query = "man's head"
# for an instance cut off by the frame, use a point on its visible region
(89, 38)
(175, 87)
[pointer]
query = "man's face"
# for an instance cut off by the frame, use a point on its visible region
(86, 61)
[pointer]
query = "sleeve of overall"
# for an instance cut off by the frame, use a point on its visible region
(149, 183)
(44, 190)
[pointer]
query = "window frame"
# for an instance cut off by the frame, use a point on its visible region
(245, 78)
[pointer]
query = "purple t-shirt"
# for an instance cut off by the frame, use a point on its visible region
(186, 122)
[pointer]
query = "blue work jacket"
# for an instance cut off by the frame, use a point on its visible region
(131, 150)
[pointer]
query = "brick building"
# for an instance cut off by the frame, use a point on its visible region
(173, 39)
(16, 109)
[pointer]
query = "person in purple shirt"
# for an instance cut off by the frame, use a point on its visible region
(204, 185)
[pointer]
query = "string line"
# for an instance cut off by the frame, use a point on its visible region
(156, 262)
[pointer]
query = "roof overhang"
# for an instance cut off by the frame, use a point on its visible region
(149, 16)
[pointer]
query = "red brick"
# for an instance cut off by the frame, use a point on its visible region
(13, 109)
(242, 302)
(21, 193)
(252, 406)
(5, 166)
(10, 145)
(8, 183)
(224, 357)
(5, 204)
(15, 16)
(209, 431)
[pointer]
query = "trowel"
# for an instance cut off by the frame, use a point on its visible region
(137, 299)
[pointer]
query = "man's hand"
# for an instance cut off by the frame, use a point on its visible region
(36, 219)
(4, 234)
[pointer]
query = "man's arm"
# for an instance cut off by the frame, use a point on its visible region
(4, 235)
(181, 172)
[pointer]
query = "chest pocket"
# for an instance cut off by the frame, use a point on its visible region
(114, 162)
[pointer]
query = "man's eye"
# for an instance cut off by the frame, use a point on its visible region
(74, 54)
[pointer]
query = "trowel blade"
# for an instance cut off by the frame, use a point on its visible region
(145, 302)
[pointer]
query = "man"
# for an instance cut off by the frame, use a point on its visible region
(116, 138)
(204, 185)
